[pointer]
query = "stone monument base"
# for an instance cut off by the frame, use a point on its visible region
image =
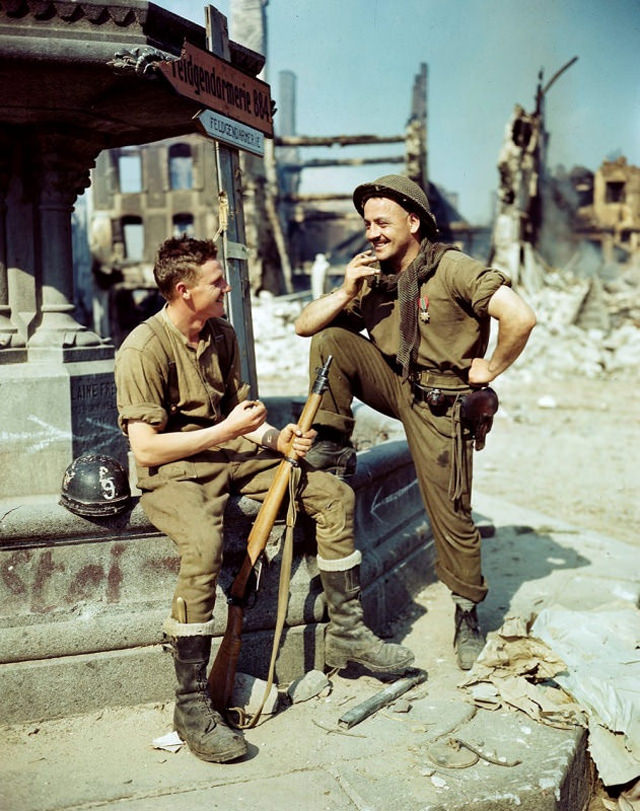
(50, 413)
(84, 600)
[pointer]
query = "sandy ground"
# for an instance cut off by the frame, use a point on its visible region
(567, 448)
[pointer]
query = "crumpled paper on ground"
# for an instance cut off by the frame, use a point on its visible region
(171, 742)
(566, 668)
(517, 670)
(628, 800)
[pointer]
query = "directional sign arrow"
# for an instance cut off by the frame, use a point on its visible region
(232, 132)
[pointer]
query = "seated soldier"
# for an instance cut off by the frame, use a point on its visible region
(196, 439)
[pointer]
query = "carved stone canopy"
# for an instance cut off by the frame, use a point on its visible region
(90, 65)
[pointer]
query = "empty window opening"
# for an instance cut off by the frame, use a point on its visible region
(183, 224)
(130, 172)
(133, 232)
(615, 192)
(180, 167)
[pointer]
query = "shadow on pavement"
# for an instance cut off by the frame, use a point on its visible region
(521, 558)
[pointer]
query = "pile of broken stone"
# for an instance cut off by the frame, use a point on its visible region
(587, 325)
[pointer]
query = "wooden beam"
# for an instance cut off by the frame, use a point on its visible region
(317, 214)
(314, 198)
(337, 140)
(319, 163)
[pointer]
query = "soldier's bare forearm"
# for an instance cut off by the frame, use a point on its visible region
(321, 312)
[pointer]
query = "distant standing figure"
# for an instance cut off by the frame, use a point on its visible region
(319, 271)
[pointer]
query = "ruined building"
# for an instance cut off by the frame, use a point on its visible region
(608, 211)
(140, 196)
(327, 222)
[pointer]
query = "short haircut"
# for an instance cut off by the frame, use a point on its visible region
(179, 259)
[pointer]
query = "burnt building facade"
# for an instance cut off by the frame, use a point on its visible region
(141, 195)
(601, 208)
(608, 213)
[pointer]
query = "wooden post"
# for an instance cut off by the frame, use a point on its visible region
(234, 250)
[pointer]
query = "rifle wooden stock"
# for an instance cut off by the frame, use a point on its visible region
(223, 671)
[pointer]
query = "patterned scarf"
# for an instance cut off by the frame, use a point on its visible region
(407, 283)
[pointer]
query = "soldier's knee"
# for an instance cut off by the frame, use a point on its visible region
(326, 341)
(337, 495)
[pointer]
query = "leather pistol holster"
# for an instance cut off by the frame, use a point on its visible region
(477, 412)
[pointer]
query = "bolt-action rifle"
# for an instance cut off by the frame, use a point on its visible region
(223, 672)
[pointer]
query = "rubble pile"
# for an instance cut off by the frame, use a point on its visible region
(622, 297)
(282, 357)
(586, 326)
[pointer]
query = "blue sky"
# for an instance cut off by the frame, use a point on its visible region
(355, 61)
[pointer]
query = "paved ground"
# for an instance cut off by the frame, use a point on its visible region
(300, 758)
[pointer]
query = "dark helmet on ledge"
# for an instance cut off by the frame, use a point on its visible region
(96, 486)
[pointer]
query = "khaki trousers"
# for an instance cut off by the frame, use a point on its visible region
(186, 500)
(359, 370)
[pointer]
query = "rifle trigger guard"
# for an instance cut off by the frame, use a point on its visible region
(256, 575)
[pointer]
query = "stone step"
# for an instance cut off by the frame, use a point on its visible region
(82, 601)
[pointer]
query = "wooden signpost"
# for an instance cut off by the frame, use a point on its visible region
(216, 84)
(237, 114)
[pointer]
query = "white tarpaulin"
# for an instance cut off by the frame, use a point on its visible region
(601, 649)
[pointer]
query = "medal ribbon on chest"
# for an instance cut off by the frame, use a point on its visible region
(423, 306)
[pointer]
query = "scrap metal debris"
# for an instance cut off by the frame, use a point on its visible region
(456, 753)
(381, 699)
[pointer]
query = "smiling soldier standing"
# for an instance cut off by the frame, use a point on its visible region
(197, 438)
(427, 310)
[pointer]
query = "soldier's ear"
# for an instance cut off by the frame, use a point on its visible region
(414, 223)
(182, 290)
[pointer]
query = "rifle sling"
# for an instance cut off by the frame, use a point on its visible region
(283, 588)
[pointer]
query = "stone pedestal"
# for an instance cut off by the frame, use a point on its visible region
(82, 601)
(50, 413)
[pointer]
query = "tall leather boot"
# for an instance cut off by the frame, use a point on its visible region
(199, 725)
(347, 638)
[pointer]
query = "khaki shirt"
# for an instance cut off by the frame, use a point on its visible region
(162, 380)
(456, 297)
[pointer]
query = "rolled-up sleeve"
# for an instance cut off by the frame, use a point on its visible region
(471, 281)
(139, 393)
(489, 280)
